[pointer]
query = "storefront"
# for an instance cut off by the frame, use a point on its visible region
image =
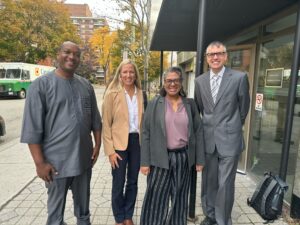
(263, 47)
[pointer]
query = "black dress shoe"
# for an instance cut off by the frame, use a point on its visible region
(208, 221)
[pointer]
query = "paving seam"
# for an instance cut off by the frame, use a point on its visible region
(17, 193)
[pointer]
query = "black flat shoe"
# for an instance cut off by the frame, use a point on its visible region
(208, 221)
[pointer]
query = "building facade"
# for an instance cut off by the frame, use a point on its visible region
(81, 16)
(264, 50)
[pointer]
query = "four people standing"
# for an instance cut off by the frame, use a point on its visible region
(122, 112)
(222, 96)
(60, 114)
(172, 141)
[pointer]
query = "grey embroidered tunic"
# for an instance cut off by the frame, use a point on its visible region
(60, 114)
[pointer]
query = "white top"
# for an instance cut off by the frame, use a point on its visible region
(132, 105)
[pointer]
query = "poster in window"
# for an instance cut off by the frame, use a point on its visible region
(236, 59)
(274, 77)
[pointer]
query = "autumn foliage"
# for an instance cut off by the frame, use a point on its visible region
(102, 42)
(31, 30)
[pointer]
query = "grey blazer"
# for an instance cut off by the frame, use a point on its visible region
(154, 142)
(223, 121)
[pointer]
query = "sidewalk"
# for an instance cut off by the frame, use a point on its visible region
(16, 169)
(28, 206)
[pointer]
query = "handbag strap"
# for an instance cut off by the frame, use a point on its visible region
(266, 194)
(282, 183)
(254, 196)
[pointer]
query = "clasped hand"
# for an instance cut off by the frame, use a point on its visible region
(45, 171)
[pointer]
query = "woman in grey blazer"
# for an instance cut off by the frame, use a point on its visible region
(172, 141)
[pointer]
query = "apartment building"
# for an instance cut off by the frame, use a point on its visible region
(86, 23)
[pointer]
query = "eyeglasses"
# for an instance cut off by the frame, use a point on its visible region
(213, 54)
(175, 81)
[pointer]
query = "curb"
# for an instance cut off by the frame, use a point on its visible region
(16, 194)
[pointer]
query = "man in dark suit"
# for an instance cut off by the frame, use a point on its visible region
(222, 96)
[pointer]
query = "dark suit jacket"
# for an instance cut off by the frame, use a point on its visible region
(223, 121)
(154, 142)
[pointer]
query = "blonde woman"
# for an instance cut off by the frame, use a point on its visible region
(122, 112)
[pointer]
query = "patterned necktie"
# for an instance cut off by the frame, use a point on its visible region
(215, 87)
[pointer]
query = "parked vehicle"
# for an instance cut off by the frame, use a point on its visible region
(16, 77)
(2, 126)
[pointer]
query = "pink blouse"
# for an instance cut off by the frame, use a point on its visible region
(176, 126)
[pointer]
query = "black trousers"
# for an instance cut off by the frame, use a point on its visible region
(165, 186)
(123, 201)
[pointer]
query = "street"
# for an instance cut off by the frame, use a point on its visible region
(11, 109)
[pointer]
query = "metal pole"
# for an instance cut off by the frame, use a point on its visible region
(200, 41)
(291, 102)
(161, 68)
(199, 69)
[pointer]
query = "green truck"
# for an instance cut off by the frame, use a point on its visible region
(15, 77)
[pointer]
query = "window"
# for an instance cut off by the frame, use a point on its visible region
(13, 74)
(273, 77)
(2, 73)
(25, 75)
(281, 24)
(249, 37)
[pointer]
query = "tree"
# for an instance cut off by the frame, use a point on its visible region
(154, 64)
(88, 61)
(102, 42)
(134, 52)
(31, 30)
(139, 12)
(133, 39)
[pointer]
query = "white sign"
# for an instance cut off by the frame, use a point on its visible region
(259, 102)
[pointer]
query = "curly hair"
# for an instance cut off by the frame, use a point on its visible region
(178, 71)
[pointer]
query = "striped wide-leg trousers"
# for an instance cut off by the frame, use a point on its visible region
(166, 198)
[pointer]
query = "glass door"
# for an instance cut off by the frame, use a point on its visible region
(242, 58)
(268, 121)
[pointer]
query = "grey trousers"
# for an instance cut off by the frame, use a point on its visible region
(166, 198)
(218, 186)
(57, 193)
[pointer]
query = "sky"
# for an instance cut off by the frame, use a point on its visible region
(106, 8)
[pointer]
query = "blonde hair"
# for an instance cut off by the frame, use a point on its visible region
(116, 83)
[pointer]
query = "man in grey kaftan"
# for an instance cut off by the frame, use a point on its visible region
(60, 114)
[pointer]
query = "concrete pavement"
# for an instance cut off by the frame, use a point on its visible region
(16, 169)
(23, 195)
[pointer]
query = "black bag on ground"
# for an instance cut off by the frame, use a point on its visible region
(268, 197)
